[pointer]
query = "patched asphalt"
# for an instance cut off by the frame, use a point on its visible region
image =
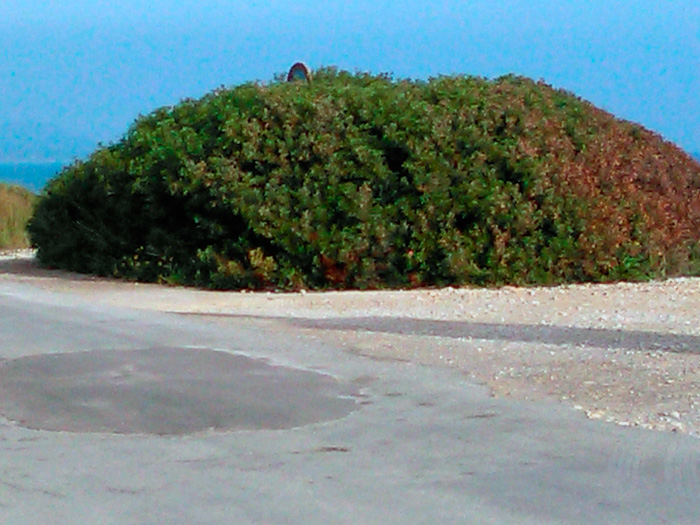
(118, 416)
(165, 391)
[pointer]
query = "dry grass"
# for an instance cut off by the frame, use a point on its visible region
(16, 206)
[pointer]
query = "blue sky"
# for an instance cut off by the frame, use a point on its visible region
(78, 72)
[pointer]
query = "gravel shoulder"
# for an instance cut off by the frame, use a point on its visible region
(625, 353)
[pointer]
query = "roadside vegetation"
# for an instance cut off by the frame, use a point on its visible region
(16, 207)
(362, 181)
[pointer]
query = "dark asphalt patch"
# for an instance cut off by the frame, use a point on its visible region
(165, 391)
(516, 333)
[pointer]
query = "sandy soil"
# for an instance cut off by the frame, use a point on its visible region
(624, 353)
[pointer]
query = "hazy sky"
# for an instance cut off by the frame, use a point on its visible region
(77, 72)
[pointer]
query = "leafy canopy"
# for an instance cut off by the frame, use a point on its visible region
(362, 181)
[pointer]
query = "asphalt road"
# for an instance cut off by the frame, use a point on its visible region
(113, 415)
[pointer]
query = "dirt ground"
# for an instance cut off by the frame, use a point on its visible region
(624, 353)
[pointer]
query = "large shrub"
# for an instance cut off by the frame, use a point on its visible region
(362, 181)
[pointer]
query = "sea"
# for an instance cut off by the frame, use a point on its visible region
(32, 176)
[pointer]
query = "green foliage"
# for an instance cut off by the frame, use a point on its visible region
(16, 207)
(360, 181)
